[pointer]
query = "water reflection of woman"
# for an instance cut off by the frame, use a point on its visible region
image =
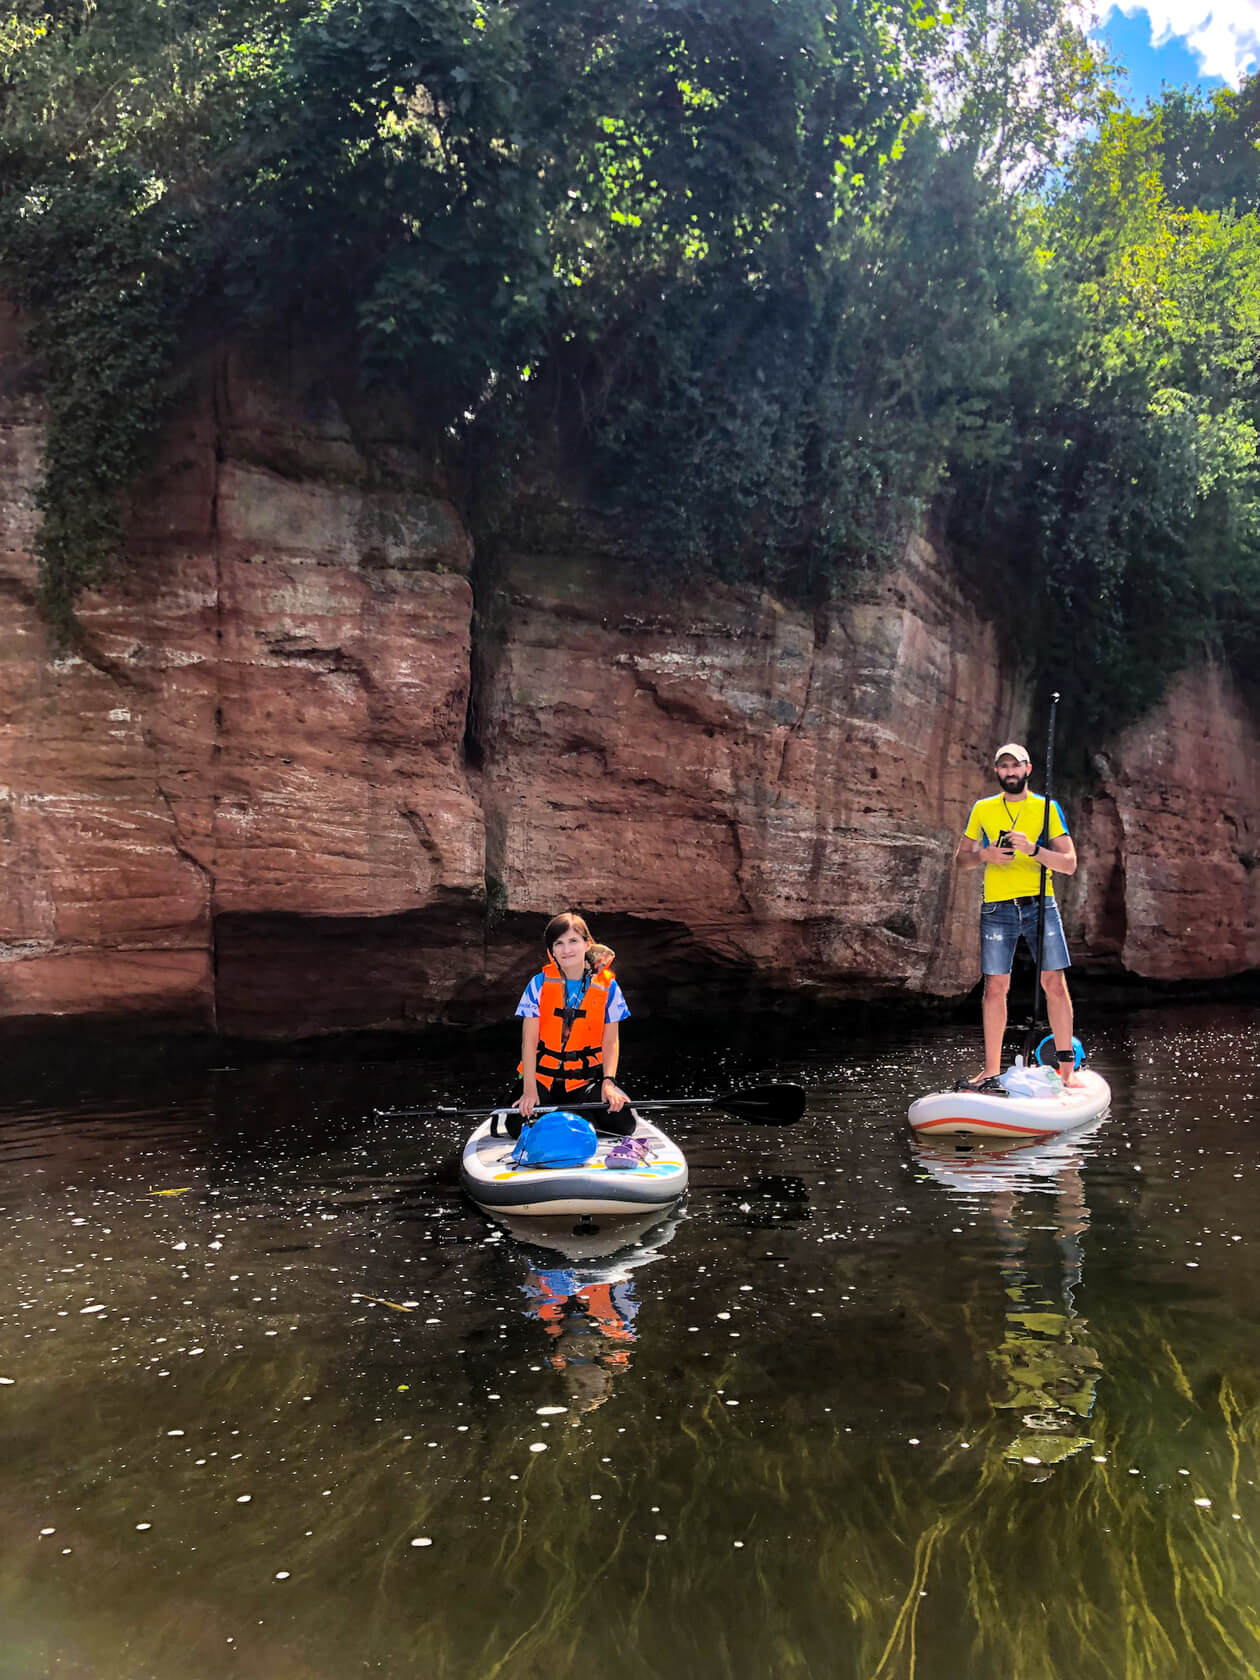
(588, 1305)
(591, 1324)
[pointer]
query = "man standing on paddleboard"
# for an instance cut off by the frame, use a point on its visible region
(1002, 838)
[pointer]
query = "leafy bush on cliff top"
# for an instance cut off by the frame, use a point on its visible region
(472, 193)
(659, 231)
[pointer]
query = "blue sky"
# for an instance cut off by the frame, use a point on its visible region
(1207, 42)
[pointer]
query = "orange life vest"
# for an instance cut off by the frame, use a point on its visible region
(571, 1049)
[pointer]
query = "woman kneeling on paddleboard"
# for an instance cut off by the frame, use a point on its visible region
(570, 1014)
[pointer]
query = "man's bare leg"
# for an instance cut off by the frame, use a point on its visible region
(993, 1012)
(1059, 1009)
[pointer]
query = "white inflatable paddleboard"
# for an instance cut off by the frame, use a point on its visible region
(487, 1174)
(982, 1113)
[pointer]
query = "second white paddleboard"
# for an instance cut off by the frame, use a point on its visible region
(982, 1113)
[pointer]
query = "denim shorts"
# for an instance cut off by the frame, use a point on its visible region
(1002, 924)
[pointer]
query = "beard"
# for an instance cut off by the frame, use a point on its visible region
(1015, 782)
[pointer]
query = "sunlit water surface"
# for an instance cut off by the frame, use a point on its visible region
(278, 1403)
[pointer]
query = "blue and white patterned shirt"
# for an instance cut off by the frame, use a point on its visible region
(527, 1008)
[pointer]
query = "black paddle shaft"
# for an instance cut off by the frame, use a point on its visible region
(763, 1105)
(1043, 840)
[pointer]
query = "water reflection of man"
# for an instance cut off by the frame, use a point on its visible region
(1047, 1368)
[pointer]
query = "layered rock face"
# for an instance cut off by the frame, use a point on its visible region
(262, 727)
(295, 778)
(771, 791)
(1169, 887)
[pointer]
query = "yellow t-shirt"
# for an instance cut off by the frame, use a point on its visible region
(1021, 877)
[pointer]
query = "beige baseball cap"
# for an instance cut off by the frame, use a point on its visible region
(1014, 749)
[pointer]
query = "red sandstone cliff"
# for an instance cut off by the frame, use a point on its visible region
(267, 793)
(1168, 887)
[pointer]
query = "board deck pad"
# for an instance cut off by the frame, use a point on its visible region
(487, 1174)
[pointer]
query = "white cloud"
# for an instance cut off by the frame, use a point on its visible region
(1223, 34)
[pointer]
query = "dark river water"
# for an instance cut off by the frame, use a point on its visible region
(279, 1404)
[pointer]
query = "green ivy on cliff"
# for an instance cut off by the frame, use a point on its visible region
(114, 122)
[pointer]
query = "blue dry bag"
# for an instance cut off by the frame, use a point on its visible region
(556, 1139)
(1047, 1056)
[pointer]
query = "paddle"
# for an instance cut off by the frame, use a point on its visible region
(763, 1105)
(1044, 840)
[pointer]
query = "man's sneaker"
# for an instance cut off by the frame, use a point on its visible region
(984, 1085)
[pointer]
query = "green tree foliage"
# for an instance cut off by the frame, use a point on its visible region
(678, 239)
(1130, 509)
(114, 123)
(468, 192)
(786, 413)
(1209, 147)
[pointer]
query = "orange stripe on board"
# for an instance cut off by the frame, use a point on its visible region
(970, 1120)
